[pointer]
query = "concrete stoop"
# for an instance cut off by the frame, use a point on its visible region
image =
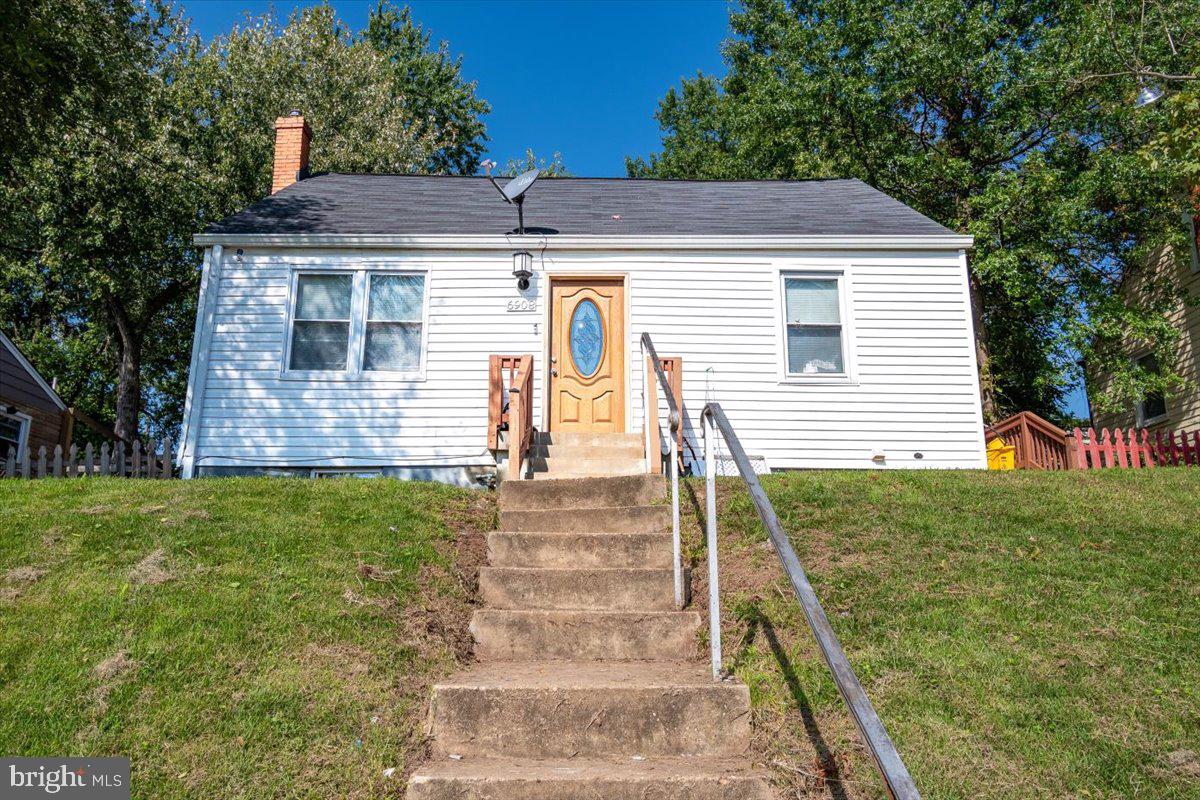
(590, 682)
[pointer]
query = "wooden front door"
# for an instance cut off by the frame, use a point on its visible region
(587, 355)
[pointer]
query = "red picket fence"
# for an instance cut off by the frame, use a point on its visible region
(1135, 449)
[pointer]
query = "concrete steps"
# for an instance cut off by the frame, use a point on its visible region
(557, 467)
(576, 493)
(581, 550)
(594, 589)
(590, 683)
(578, 635)
(575, 455)
(611, 519)
(586, 779)
(552, 710)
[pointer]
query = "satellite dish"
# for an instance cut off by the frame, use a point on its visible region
(514, 191)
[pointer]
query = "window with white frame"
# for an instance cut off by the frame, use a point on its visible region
(395, 310)
(812, 308)
(14, 432)
(356, 322)
(321, 322)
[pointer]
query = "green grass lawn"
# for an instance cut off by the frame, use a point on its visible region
(238, 638)
(1022, 635)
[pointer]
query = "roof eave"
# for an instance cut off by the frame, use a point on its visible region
(948, 241)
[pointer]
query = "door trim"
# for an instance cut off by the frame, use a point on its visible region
(548, 319)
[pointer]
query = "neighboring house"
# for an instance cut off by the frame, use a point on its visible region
(345, 323)
(32, 415)
(1180, 410)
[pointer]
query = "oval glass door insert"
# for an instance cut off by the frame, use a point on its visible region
(587, 338)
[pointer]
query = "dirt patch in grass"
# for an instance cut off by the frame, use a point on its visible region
(26, 574)
(114, 666)
(1184, 764)
(8, 594)
(445, 617)
(110, 672)
(346, 661)
(151, 570)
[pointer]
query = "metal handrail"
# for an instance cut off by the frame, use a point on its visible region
(883, 751)
(652, 429)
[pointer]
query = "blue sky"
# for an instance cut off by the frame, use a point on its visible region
(579, 78)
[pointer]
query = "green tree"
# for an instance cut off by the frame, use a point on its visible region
(554, 168)
(431, 82)
(97, 217)
(1011, 121)
(55, 51)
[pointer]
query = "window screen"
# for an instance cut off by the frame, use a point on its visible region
(321, 322)
(814, 326)
(394, 316)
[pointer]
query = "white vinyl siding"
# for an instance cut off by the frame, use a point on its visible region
(911, 386)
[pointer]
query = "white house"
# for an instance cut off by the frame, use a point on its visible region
(346, 322)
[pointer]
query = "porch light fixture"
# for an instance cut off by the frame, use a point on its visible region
(523, 268)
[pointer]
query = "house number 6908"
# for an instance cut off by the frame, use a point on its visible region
(522, 304)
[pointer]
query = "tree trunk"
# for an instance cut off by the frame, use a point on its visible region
(129, 371)
(987, 384)
(129, 389)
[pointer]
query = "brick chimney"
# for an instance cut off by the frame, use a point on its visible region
(292, 137)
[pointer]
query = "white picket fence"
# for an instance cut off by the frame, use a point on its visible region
(121, 459)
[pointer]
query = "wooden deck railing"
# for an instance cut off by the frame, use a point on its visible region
(511, 376)
(672, 367)
(1039, 444)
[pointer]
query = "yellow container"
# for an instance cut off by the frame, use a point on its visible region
(1001, 455)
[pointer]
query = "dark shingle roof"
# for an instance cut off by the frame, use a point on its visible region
(429, 204)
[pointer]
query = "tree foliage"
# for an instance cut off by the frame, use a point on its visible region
(101, 199)
(1011, 121)
(553, 168)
